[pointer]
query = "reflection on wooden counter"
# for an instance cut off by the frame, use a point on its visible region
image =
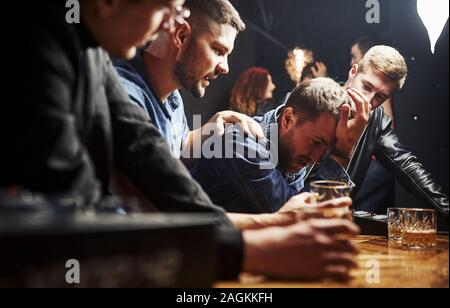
(382, 264)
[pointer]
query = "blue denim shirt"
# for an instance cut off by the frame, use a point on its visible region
(243, 184)
(168, 117)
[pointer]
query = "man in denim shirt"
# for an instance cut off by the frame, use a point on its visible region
(168, 115)
(190, 57)
(259, 177)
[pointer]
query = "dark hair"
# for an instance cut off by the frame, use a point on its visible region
(307, 71)
(365, 43)
(220, 11)
(313, 97)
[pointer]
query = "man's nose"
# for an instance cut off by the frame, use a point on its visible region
(223, 67)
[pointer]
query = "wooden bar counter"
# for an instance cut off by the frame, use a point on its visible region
(398, 268)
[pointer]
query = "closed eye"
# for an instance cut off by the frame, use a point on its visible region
(219, 52)
(367, 87)
(382, 98)
(316, 142)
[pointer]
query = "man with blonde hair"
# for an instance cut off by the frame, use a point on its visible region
(381, 73)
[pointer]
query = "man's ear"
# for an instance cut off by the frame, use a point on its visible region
(353, 71)
(182, 34)
(288, 118)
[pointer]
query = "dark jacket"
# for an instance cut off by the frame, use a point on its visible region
(70, 122)
(380, 140)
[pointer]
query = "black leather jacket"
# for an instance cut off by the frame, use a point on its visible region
(380, 140)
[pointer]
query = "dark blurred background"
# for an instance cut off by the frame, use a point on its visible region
(329, 27)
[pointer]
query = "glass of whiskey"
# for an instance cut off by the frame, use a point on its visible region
(419, 228)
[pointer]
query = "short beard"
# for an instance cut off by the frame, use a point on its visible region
(186, 75)
(285, 159)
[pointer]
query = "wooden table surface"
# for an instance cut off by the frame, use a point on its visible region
(398, 268)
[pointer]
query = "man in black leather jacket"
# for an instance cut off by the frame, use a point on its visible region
(380, 73)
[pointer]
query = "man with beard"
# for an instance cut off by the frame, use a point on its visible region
(194, 55)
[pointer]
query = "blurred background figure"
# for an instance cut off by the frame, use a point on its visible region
(313, 69)
(253, 92)
(360, 47)
(302, 66)
(298, 59)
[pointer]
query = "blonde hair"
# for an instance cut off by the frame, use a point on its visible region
(388, 61)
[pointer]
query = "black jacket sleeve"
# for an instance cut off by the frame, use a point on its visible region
(43, 150)
(407, 169)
